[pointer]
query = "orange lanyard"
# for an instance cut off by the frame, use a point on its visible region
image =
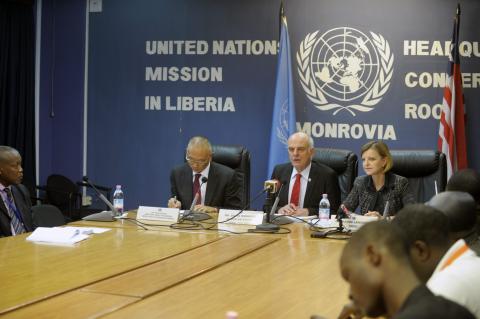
(455, 256)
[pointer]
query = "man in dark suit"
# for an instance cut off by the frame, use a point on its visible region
(15, 204)
(305, 181)
(217, 186)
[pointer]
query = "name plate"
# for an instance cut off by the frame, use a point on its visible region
(158, 213)
(247, 217)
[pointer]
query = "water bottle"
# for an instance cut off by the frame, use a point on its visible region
(118, 199)
(324, 208)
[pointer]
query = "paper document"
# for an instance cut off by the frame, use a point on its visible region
(61, 235)
(87, 230)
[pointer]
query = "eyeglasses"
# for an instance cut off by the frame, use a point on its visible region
(199, 162)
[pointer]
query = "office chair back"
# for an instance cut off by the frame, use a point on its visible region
(422, 168)
(237, 158)
(47, 216)
(343, 162)
(62, 192)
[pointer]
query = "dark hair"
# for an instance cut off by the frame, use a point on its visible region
(4, 150)
(383, 233)
(459, 207)
(424, 223)
(466, 180)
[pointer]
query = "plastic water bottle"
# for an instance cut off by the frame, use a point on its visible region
(324, 208)
(118, 199)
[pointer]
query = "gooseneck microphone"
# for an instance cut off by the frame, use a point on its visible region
(106, 216)
(268, 226)
(191, 214)
(386, 209)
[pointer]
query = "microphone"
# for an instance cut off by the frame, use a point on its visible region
(386, 213)
(105, 216)
(272, 185)
(191, 214)
(268, 226)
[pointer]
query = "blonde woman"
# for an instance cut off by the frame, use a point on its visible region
(380, 188)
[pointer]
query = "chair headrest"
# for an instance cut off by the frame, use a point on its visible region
(337, 159)
(415, 163)
(230, 156)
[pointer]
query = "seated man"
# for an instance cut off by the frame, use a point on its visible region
(448, 270)
(459, 207)
(15, 213)
(382, 282)
(467, 180)
(304, 181)
(215, 185)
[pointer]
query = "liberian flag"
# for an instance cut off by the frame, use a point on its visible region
(451, 134)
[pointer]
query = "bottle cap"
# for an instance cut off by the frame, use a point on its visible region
(118, 186)
(231, 315)
(324, 195)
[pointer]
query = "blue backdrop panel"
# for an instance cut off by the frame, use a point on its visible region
(350, 65)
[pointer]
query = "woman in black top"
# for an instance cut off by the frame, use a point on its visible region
(380, 192)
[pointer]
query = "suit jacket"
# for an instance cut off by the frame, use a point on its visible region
(21, 197)
(323, 180)
(365, 196)
(223, 186)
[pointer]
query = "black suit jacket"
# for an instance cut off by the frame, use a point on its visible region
(223, 186)
(22, 202)
(323, 180)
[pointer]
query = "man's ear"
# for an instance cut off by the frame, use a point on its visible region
(374, 257)
(420, 251)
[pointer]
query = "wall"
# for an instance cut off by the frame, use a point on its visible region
(135, 147)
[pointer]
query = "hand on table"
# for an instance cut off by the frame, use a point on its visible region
(205, 209)
(174, 203)
(293, 210)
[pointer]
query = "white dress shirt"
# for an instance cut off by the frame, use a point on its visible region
(457, 277)
(303, 184)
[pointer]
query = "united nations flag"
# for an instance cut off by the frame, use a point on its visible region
(283, 120)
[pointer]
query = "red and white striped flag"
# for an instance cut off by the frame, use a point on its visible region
(451, 134)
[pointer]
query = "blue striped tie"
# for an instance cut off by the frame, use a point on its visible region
(16, 223)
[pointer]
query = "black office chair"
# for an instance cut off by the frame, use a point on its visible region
(63, 193)
(237, 158)
(47, 216)
(422, 168)
(343, 162)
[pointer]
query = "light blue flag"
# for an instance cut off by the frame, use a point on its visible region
(283, 120)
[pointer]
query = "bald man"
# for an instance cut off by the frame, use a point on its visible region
(313, 180)
(375, 262)
(15, 204)
(221, 188)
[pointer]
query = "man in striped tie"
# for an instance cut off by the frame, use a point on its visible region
(15, 204)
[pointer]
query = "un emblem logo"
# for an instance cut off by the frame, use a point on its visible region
(346, 66)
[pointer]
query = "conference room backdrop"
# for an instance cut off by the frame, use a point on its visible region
(159, 72)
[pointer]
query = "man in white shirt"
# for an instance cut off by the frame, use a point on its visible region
(449, 269)
(304, 181)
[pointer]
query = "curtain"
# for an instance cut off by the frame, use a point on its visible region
(17, 82)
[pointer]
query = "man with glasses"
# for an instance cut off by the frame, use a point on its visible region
(15, 204)
(304, 181)
(214, 185)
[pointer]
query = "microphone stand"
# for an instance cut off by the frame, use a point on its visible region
(268, 226)
(191, 214)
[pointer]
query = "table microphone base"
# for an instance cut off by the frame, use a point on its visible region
(267, 227)
(196, 216)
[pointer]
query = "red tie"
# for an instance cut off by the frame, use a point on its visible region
(295, 197)
(196, 189)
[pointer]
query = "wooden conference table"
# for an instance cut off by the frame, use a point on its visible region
(129, 272)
